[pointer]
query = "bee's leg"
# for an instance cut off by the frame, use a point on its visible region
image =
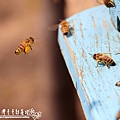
(71, 30)
(24, 51)
(30, 47)
(97, 64)
(108, 66)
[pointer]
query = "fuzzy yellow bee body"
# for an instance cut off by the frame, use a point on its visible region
(65, 27)
(102, 58)
(25, 46)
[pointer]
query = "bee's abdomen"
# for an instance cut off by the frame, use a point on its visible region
(65, 30)
(109, 61)
(113, 63)
(109, 3)
(20, 49)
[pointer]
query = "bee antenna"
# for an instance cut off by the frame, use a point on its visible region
(111, 53)
(89, 53)
(36, 38)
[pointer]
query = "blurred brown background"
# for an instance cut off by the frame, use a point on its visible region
(39, 80)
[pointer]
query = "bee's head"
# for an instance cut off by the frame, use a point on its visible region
(31, 38)
(94, 56)
(118, 83)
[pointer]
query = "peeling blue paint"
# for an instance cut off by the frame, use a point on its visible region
(93, 33)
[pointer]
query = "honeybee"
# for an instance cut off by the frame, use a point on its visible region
(118, 83)
(64, 26)
(104, 59)
(25, 46)
(107, 3)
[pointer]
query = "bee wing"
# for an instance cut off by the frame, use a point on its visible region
(37, 43)
(54, 27)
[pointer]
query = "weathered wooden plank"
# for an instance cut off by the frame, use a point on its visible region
(93, 33)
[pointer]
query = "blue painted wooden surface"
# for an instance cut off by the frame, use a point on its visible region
(93, 33)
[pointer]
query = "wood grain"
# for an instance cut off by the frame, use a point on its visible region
(93, 33)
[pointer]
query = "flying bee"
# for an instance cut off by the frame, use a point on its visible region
(103, 59)
(25, 46)
(107, 3)
(64, 26)
(118, 83)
